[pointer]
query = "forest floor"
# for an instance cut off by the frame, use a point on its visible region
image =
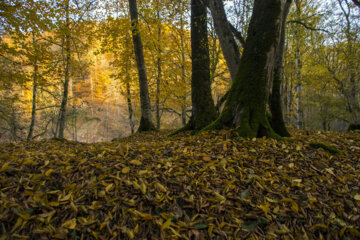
(210, 186)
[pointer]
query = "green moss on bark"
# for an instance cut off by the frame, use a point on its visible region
(203, 108)
(245, 107)
(146, 125)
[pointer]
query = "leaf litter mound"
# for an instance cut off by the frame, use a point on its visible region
(210, 186)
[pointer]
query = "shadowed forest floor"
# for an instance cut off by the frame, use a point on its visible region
(210, 186)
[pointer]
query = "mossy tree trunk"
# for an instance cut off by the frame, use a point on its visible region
(146, 123)
(246, 105)
(277, 120)
(203, 108)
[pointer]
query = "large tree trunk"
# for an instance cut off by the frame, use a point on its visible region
(146, 123)
(225, 35)
(35, 85)
(203, 108)
(246, 103)
(277, 120)
(62, 117)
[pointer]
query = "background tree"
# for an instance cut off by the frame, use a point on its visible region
(146, 122)
(203, 108)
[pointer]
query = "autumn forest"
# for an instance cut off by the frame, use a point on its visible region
(85, 50)
(179, 119)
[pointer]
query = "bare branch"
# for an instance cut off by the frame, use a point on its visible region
(307, 26)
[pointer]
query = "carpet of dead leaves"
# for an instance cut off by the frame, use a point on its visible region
(210, 186)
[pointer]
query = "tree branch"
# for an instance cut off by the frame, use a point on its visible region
(237, 34)
(307, 26)
(356, 2)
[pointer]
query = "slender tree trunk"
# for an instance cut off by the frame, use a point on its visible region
(277, 120)
(128, 88)
(203, 108)
(62, 118)
(35, 85)
(246, 104)
(146, 123)
(298, 67)
(129, 103)
(158, 117)
(158, 78)
(298, 89)
(225, 35)
(183, 76)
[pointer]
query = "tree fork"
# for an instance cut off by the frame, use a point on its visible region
(245, 106)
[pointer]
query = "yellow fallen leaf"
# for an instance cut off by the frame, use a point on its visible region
(166, 224)
(143, 187)
(48, 172)
(24, 215)
(220, 198)
(160, 187)
(135, 162)
(65, 198)
(265, 208)
(317, 226)
(28, 161)
(70, 224)
(17, 224)
(125, 170)
(103, 225)
(136, 229)
(5, 167)
(135, 185)
(46, 215)
(73, 207)
(102, 194)
(109, 187)
(294, 207)
(142, 172)
(130, 233)
(53, 204)
(206, 158)
(357, 197)
(210, 229)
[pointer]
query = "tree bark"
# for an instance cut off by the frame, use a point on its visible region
(356, 2)
(146, 123)
(158, 78)
(277, 119)
(130, 109)
(225, 35)
(245, 107)
(183, 75)
(203, 108)
(35, 85)
(62, 117)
